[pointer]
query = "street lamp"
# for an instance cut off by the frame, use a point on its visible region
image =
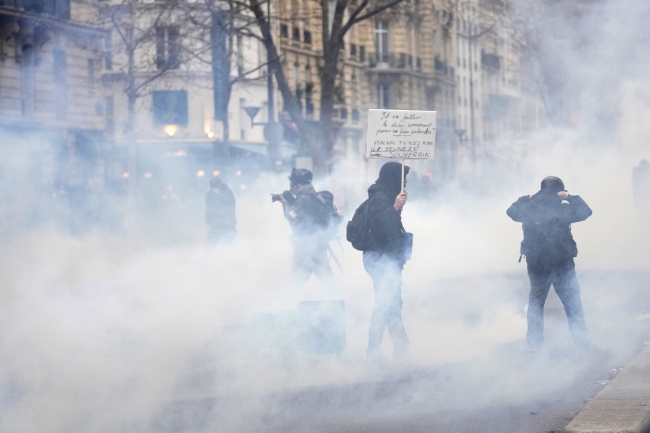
(273, 132)
(252, 112)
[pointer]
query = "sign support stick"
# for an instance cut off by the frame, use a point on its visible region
(402, 175)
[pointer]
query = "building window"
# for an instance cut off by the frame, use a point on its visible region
(296, 77)
(296, 34)
(355, 115)
(284, 31)
(353, 50)
(60, 84)
(167, 48)
(27, 85)
(110, 116)
(383, 95)
(108, 53)
(382, 40)
(307, 36)
(344, 113)
(91, 73)
(170, 107)
(362, 53)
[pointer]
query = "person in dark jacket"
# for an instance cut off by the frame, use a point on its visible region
(220, 213)
(304, 212)
(384, 259)
(550, 249)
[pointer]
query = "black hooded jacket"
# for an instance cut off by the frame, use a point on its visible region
(547, 226)
(386, 229)
(220, 209)
(304, 212)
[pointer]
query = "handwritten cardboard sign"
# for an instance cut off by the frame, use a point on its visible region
(401, 134)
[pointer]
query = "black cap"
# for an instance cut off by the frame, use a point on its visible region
(301, 176)
(553, 182)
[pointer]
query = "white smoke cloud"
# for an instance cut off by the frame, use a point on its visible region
(100, 337)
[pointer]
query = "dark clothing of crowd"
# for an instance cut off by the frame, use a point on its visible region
(310, 241)
(384, 260)
(220, 214)
(548, 241)
(549, 248)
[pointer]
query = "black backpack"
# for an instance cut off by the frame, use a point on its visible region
(544, 240)
(358, 230)
(328, 216)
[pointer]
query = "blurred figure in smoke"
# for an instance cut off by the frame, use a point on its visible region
(220, 212)
(385, 257)
(310, 239)
(641, 187)
(549, 249)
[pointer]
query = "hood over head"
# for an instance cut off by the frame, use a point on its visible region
(216, 182)
(390, 179)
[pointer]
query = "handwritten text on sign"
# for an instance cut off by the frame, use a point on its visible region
(401, 134)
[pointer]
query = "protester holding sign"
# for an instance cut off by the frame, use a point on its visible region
(377, 229)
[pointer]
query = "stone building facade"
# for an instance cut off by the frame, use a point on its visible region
(52, 109)
(399, 59)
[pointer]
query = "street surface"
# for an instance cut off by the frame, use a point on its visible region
(507, 391)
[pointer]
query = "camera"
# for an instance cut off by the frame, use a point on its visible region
(286, 194)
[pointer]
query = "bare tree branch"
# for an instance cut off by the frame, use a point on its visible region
(378, 10)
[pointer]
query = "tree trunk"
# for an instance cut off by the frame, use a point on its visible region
(132, 152)
(326, 132)
(132, 167)
(290, 103)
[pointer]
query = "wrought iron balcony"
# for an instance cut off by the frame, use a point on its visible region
(387, 60)
(441, 66)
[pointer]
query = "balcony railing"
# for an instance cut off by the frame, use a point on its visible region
(57, 8)
(491, 61)
(389, 60)
(441, 66)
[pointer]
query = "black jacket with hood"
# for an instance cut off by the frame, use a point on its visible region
(220, 209)
(386, 229)
(548, 241)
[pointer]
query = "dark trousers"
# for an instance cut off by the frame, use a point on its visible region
(564, 281)
(310, 257)
(220, 234)
(386, 277)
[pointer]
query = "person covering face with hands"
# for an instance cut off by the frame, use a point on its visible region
(549, 249)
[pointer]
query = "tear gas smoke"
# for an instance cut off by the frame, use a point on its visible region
(98, 337)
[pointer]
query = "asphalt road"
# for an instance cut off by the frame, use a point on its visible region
(507, 391)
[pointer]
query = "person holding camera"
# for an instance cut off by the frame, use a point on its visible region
(549, 249)
(384, 258)
(309, 224)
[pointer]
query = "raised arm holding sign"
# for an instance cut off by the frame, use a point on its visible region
(401, 134)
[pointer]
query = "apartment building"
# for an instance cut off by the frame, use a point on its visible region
(497, 105)
(400, 59)
(172, 120)
(52, 108)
